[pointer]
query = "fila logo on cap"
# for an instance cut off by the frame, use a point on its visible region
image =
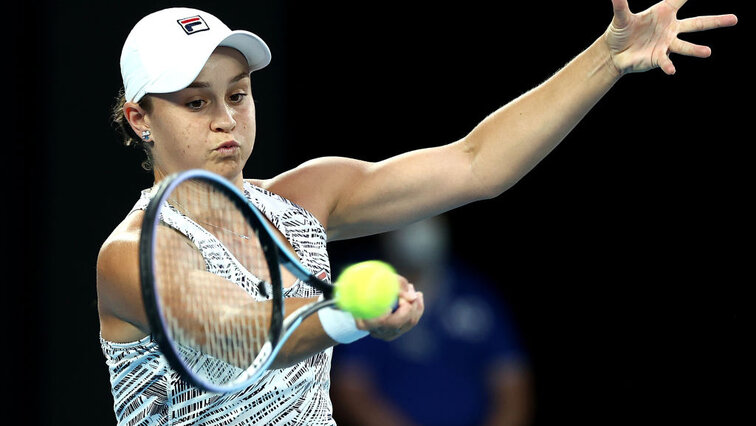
(193, 24)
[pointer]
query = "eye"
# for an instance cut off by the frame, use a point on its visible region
(196, 105)
(238, 98)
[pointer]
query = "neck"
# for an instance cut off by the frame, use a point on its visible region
(160, 174)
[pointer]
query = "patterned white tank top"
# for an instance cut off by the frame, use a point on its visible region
(146, 391)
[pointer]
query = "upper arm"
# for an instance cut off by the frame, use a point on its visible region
(355, 198)
(118, 291)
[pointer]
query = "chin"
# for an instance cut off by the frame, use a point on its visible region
(227, 170)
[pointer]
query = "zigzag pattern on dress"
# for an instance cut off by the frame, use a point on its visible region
(146, 391)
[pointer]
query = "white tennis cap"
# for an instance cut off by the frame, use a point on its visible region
(166, 50)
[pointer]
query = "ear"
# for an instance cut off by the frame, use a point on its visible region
(136, 116)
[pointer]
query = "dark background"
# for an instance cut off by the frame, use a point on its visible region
(623, 254)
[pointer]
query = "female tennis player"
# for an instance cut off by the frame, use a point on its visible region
(188, 102)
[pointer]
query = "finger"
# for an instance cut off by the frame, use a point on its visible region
(403, 308)
(403, 282)
(407, 314)
(405, 287)
(621, 13)
(408, 292)
(689, 49)
(704, 23)
(666, 65)
(677, 4)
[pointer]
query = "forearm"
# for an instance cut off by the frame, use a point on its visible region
(511, 141)
(329, 326)
(243, 319)
(307, 340)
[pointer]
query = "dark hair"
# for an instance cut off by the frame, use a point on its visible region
(130, 138)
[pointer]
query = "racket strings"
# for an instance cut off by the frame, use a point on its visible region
(209, 264)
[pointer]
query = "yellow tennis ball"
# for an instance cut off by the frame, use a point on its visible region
(367, 289)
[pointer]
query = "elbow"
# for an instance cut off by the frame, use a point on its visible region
(489, 188)
(488, 177)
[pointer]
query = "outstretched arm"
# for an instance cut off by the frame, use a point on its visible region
(510, 142)
(366, 198)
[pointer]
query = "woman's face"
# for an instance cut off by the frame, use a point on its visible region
(210, 124)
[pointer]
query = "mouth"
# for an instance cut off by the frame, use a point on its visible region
(227, 147)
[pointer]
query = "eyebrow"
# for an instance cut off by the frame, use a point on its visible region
(205, 84)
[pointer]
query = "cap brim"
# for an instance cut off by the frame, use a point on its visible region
(251, 46)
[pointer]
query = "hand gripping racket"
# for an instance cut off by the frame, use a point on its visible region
(210, 271)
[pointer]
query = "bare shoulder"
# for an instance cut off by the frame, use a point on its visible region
(119, 297)
(123, 240)
(317, 184)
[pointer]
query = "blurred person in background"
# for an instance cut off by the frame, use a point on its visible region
(463, 364)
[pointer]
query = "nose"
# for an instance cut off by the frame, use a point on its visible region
(223, 118)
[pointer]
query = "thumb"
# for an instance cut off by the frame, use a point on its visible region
(621, 13)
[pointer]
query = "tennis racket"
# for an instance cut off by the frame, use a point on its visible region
(219, 323)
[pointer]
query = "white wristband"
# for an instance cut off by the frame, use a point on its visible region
(340, 326)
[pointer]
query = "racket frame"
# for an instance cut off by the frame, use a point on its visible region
(272, 250)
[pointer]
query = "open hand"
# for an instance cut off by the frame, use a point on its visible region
(640, 42)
